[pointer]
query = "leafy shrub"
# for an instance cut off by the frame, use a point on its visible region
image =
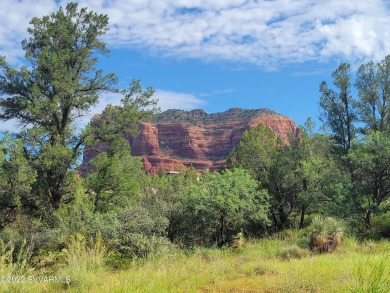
(218, 206)
(381, 224)
(107, 224)
(117, 260)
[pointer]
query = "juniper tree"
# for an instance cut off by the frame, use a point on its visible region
(60, 84)
(338, 111)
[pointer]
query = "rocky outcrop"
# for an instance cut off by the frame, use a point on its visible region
(177, 139)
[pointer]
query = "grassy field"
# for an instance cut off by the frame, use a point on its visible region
(266, 265)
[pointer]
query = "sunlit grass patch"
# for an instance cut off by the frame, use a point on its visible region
(256, 267)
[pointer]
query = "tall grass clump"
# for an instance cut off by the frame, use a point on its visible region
(238, 241)
(373, 276)
(15, 262)
(85, 261)
(293, 252)
(15, 266)
(86, 255)
(326, 234)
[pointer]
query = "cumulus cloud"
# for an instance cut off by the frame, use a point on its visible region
(173, 100)
(265, 33)
(14, 21)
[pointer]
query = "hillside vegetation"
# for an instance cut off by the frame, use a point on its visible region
(199, 116)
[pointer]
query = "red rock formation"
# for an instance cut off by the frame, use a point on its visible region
(173, 146)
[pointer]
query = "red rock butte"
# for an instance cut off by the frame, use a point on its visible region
(177, 139)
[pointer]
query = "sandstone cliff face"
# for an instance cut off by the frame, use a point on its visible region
(177, 139)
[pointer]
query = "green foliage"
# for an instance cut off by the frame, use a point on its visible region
(164, 198)
(70, 217)
(60, 85)
(285, 183)
(105, 223)
(373, 84)
(117, 261)
(381, 224)
(325, 186)
(339, 113)
(221, 204)
(141, 233)
(365, 160)
(114, 122)
(16, 179)
(255, 152)
(115, 177)
(370, 160)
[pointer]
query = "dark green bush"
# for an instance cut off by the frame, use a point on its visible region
(381, 225)
(117, 260)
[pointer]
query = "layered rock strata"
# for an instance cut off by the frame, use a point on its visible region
(177, 139)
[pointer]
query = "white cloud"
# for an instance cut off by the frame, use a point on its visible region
(14, 21)
(173, 100)
(166, 100)
(10, 125)
(265, 33)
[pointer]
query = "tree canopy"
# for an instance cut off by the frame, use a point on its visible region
(60, 85)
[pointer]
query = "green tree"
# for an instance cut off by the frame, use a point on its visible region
(60, 85)
(339, 113)
(16, 179)
(164, 196)
(324, 184)
(373, 84)
(121, 121)
(370, 160)
(255, 152)
(284, 183)
(115, 177)
(222, 204)
(70, 218)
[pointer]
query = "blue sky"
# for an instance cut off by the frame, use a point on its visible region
(216, 55)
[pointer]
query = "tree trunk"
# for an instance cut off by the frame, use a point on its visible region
(301, 221)
(367, 220)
